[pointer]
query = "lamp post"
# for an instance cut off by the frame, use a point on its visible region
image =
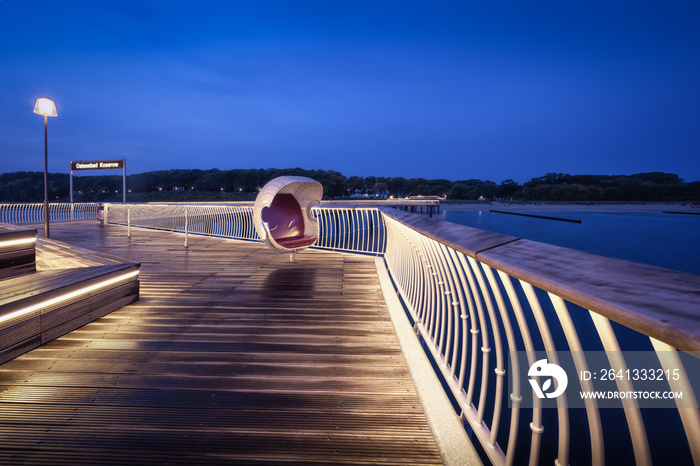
(46, 107)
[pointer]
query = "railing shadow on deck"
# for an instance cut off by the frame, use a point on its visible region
(488, 306)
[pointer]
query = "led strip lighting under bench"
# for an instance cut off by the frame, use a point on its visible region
(39, 307)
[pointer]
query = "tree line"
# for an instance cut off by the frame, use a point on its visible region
(243, 184)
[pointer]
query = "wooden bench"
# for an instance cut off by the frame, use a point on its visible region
(17, 252)
(49, 288)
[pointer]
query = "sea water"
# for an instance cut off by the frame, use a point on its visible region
(665, 240)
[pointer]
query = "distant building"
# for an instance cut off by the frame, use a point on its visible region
(178, 188)
(370, 194)
(381, 194)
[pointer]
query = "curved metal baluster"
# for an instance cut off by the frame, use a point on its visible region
(473, 330)
(363, 229)
(456, 298)
(381, 235)
(497, 343)
(485, 344)
(562, 404)
(465, 296)
(373, 226)
(345, 225)
(631, 407)
(325, 227)
(349, 234)
(441, 302)
(342, 239)
(595, 427)
(417, 285)
(355, 232)
(366, 231)
(689, 412)
(339, 221)
(536, 424)
(433, 294)
(331, 230)
(347, 237)
(403, 255)
(347, 229)
(515, 368)
(242, 231)
(447, 317)
(400, 257)
(451, 337)
(420, 284)
(424, 293)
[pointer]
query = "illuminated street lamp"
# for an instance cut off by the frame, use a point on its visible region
(46, 107)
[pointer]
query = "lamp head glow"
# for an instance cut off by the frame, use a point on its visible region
(46, 107)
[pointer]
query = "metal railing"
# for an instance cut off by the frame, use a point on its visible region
(58, 212)
(478, 299)
(226, 221)
(467, 289)
(358, 230)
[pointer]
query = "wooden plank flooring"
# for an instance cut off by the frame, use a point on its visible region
(233, 355)
(53, 255)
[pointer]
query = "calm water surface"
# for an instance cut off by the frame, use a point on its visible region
(664, 240)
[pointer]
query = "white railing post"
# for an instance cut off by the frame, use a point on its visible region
(128, 223)
(187, 221)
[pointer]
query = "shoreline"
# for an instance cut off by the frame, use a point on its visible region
(592, 207)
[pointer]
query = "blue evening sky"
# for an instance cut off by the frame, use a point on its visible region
(438, 89)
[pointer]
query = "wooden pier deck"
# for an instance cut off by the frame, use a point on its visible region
(233, 355)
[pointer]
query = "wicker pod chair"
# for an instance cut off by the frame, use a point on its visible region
(282, 213)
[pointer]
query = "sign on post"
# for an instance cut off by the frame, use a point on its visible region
(99, 165)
